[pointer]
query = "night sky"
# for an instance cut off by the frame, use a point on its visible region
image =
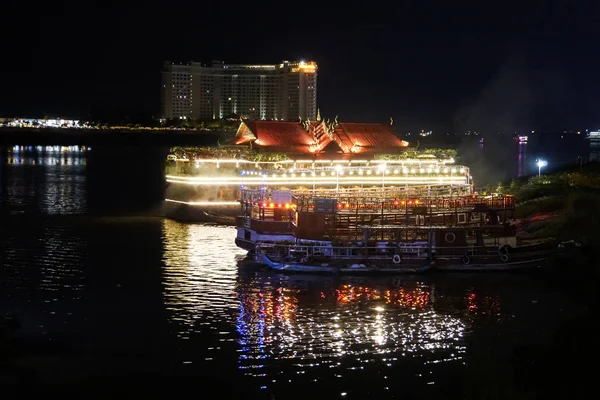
(496, 66)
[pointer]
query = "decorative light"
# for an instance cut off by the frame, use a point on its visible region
(429, 170)
(412, 170)
(445, 170)
(453, 170)
(421, 170)
(368, 172)
(462, 170)
(360, 171)
(405, 170)
(303, 175)
(396, 171)
(313, 174)
(332, 173)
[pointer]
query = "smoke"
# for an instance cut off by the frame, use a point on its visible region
(525, 94)
(491, 162)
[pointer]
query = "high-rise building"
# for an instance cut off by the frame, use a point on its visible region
(281, 92)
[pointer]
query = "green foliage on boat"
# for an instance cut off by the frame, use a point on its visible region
(222, 152)
(411, 153)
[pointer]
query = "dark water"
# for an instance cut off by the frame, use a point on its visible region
(141, 300)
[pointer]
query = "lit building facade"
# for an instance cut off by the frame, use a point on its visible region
(281, 92)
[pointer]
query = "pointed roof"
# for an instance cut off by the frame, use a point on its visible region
(367, 137)
(319, 137)
(289, 137)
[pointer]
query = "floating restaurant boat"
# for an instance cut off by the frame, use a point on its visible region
(288, 154)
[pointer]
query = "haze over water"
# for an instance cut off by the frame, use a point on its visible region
(136, 298)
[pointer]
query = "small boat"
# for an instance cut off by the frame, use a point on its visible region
(482, 249)
(220, 219)
(358, 268)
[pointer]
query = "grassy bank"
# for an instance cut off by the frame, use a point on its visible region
(564, 205)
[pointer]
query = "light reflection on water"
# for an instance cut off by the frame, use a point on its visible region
(51, 183)
(316, 327)
(175, 294)
(200, 272)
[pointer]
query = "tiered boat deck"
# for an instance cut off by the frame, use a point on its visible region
(342, 218)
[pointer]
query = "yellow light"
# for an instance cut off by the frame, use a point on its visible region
(205, 203)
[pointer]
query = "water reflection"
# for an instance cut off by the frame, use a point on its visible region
(291, 330)
(369, 322)
(522, 168)
(200, 274)
(186, 306)
(50, 183)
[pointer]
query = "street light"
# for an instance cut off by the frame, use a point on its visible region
(540, 164)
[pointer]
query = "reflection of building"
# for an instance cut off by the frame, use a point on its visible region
(522, 159)
(282, 91)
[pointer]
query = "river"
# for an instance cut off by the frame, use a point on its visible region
(137, 300)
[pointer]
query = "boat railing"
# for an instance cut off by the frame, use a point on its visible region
(366, 202)
(404, 251)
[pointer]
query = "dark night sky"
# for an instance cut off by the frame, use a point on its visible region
(498, 66)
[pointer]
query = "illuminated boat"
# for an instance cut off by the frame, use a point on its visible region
(219, 187)
(381, 232)
(522, 139)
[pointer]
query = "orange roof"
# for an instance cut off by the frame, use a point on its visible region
(367, 137)
(276, 135)
(297, 137)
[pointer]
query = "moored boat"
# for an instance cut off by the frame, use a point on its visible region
(472, 249)
(410, 228)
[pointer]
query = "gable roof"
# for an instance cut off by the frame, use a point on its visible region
(319, 137)
(367, 137)
(276, 135)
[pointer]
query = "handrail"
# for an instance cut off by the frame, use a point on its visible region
(422, 251)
